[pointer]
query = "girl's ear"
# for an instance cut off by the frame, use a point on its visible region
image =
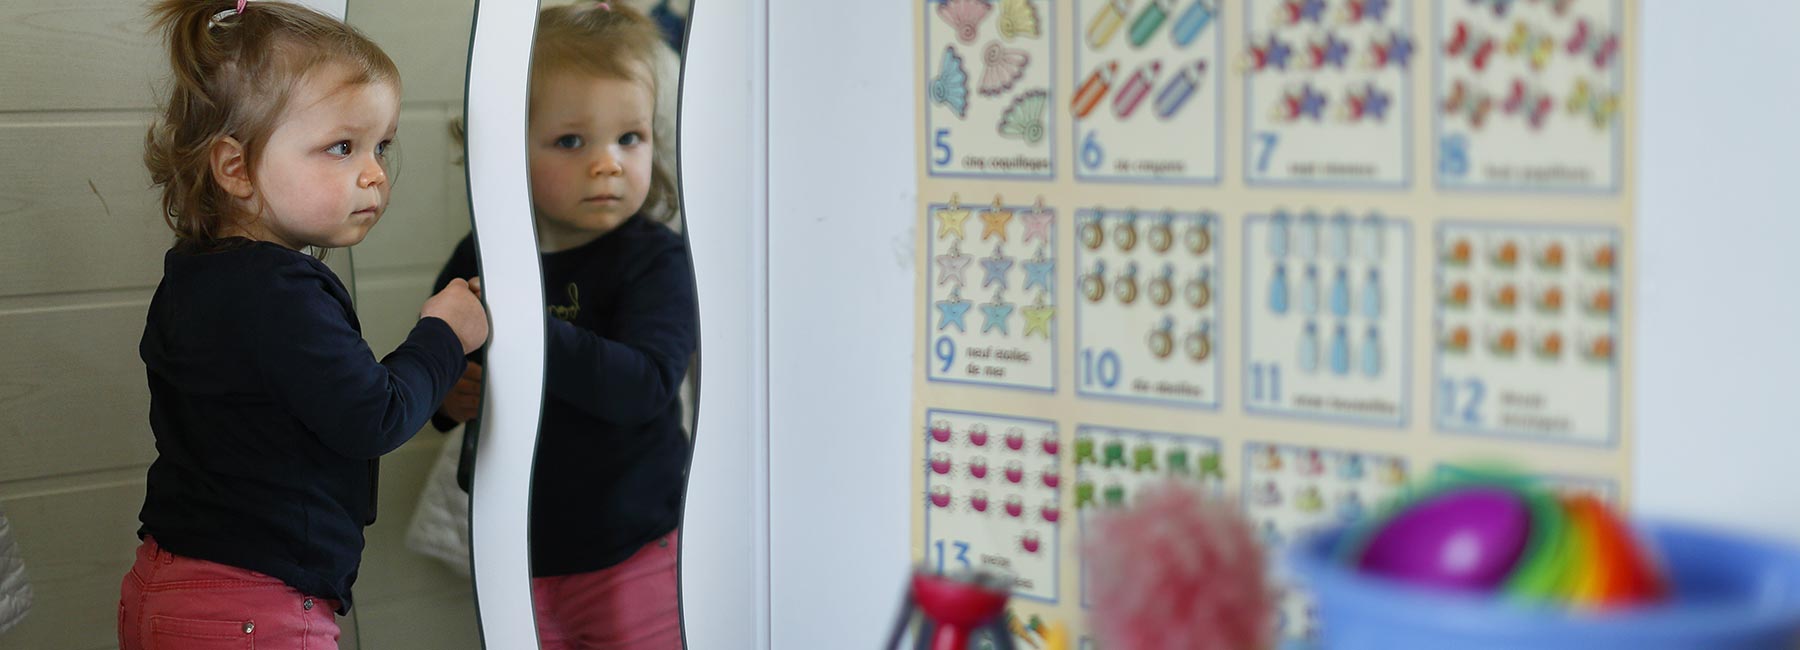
(230, 169)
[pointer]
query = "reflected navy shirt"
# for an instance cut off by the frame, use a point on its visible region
(612, 452)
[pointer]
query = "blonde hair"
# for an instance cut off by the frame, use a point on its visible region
(610, 42)
(232, 75)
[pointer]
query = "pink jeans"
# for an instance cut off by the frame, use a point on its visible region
(630, 606)
(170, 602)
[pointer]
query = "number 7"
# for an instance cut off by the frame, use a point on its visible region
(1268, 139)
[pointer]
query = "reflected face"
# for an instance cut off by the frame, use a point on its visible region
(323, 173)
(590, 142)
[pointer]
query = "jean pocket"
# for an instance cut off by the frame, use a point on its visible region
(171, 633)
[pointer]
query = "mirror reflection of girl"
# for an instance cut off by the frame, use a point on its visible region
(622, 325)
(267, 406)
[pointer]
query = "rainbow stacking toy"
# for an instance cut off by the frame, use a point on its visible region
(1507, 536)
(1493, 561)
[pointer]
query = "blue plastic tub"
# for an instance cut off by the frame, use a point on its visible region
(1730, 593)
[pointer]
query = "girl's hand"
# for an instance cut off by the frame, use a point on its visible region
(458, 306)
(464, 401)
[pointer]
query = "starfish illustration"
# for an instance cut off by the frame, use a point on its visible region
(1037, 273)
(1037, 318)
(993, 223)
(951, 265)
(994, 269)
(1037, 225)
(952, 311)
(994, 315)
(950, 221)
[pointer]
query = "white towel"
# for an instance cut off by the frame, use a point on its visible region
(440, 523)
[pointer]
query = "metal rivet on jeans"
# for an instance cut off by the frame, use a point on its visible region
(249, 626)
(306, 604)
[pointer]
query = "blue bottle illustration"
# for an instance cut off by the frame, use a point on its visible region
(1371, 296)
(1306, 237)
(1373, 229)
(1340, 350)
(1309, 348)
(1278, 291)
(1338, 240)
(1309, 291)
(1340, 293)
(1278, 235)
(1371, 353)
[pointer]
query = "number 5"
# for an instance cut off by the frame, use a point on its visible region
(942, 146)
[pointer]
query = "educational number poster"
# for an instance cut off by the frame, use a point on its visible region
(1302, 253)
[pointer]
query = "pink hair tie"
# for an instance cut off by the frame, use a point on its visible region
(241, 4)
(602, 5)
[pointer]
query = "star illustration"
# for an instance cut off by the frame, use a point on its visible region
(1399, 49)
(994, 315)
(1037, 319)
(1375, 9)
(1334, 52)
(1037, 273)
(1312, 103)
(950, 222)
(994, 269)
(1277, 53)
(952, 311)
(951, 265)
(1037, 225)
(1312, 10)
(1375, 103)
(993, 223)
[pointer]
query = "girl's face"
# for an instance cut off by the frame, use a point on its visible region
(322, 176)
(590, 147)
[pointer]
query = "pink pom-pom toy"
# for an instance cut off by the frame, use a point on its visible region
(1178, 569)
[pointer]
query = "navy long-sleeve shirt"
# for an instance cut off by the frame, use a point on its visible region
(611, 454)
(268, 408)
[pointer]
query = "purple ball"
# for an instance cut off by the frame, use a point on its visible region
(1464, 539)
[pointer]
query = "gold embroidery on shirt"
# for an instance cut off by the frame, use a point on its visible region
(573, 309)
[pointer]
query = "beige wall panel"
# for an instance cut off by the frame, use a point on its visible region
(64, 234)
(73, 390)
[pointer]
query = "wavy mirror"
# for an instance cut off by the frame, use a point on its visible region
(620, 322)
(414, 589)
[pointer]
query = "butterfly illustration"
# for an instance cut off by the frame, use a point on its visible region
(1002, 67)
(1018, 18)
(951, 86)
(964, 16)
(1024, 118)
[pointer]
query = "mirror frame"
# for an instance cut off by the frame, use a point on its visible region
(512, 287)
(722, 104)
